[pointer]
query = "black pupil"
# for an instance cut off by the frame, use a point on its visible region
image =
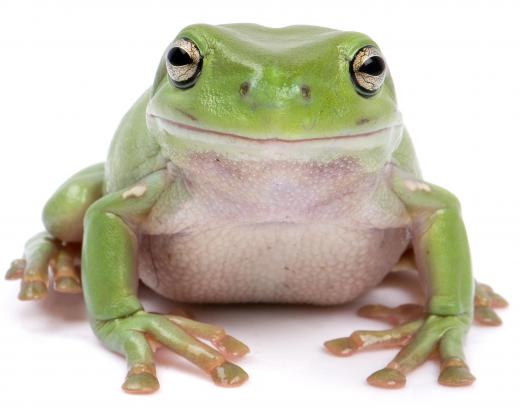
(373, 66)
(179, 57)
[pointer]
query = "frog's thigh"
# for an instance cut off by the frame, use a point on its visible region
(64, 212)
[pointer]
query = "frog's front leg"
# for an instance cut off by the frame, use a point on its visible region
(485, 302)
(443, 259)
(110, 284)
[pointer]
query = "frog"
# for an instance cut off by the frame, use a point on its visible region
(263, 165)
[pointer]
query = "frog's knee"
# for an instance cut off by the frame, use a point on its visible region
(63, 216)
(64, 212)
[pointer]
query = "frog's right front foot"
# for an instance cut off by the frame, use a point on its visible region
(137, 335)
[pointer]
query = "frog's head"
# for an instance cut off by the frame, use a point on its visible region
(297, 92)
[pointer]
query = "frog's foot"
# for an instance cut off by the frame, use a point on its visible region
(138, 336)
(419, 339)
(486, 301)
(41, 252)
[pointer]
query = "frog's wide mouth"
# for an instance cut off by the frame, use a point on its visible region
(178, 128)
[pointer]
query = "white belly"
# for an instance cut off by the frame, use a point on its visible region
(317, 264)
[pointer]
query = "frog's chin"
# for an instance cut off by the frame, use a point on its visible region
(181, 136)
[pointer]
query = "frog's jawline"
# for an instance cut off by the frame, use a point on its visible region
(269, 140)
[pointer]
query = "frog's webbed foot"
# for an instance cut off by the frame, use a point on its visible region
(418, 339)
(41, 253)
(139, 335)
(486, 301)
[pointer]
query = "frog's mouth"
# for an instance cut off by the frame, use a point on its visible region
(181, 137)
(175, 128)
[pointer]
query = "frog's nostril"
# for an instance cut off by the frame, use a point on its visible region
(306, 92)
(244, 88)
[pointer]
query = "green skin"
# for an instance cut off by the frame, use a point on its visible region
(107, 207)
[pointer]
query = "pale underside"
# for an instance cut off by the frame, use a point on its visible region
(271, 231)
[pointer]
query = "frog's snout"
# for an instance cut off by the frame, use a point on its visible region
(271, 93)
(304, 90)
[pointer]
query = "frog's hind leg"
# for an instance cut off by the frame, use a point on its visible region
(59, 247)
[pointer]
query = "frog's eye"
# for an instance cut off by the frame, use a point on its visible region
(368, 70)
(183, 63)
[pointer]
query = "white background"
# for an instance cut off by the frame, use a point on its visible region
(69, 71)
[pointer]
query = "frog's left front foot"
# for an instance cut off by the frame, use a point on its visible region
(419, 338)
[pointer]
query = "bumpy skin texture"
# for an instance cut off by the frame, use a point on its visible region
(271, 179)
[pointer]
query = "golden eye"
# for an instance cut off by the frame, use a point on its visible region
(368, 70)
(183, 63)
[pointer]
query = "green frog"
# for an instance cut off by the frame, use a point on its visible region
(263, 165)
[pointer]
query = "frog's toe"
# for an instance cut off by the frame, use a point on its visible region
(497, 301)
(140, 383)
(342, 346)
(66, 276)
(387, 378)
(487, 316)
(33, 286)
(16, 270)
(226, 344)
(486, 301)
(228, 374)
(369, 339)
(67, 285)
(456, 375)
(33, 290)
(231, 347)
(486, 296)
(394, 316)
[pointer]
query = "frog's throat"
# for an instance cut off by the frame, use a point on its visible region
(177, 128)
